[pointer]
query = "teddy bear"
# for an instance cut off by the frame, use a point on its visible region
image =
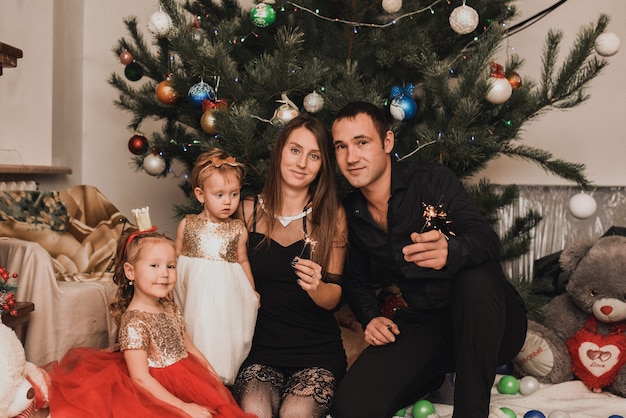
(583, 334)
(23, 385)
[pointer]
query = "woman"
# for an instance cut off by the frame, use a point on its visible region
(296, 247)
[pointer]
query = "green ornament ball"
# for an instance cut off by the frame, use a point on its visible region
(423, 408)
(508, 385)
(133, 71)
(509, 412)
(400, 413)
(263, 15)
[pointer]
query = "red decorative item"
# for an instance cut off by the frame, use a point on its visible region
(497, 70)
(8, 288)
(126, 57)
(218, 104)
(392, 302)
(596, 358)
(138, 144)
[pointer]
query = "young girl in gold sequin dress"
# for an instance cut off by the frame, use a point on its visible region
(158, 372)
(215, 289)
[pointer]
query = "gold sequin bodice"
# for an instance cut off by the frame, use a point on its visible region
(161, 335)
(211, 240)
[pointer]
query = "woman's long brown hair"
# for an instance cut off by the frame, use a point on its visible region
(323, 190)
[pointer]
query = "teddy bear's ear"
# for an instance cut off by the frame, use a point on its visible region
(571, 256)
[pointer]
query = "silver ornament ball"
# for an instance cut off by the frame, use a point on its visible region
(500, 90)
(159, 24)
(582, 206)
(154, 164)
(392, 6)
(313, 102)
(463, 20)
(607, 44)
(528, 385)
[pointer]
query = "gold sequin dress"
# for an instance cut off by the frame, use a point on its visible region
(219, 305)
(95, 383)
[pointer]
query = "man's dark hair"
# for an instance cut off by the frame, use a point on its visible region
(352, 109)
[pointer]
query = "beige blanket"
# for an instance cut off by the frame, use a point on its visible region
(64, 271)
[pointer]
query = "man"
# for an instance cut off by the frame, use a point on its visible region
(462, 315)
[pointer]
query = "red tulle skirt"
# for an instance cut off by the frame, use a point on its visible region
(95, 383)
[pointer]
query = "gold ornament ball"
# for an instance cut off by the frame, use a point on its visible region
(207, 122)
(515, 80)
(165, 92)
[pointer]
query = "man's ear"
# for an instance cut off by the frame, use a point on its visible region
(389, 141)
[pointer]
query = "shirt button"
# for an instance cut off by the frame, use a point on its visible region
(357, 211)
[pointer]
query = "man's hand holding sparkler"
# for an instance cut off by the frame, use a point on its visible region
(429, 249)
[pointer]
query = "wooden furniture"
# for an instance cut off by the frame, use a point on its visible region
(9, 56)
(20, 322)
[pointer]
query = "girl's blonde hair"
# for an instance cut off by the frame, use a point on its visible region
(129, 249)
(212, 161)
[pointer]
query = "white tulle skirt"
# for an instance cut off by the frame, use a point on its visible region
(220, 309)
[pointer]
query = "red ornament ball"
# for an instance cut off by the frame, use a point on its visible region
(165, 92)
(138, 144)
(126, 57)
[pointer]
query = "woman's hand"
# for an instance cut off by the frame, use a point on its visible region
(309, 273)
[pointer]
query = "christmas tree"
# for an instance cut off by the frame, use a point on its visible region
(217, 74)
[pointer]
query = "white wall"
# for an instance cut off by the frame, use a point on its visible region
(56, 107)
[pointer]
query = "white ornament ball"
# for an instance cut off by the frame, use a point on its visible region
(500, 90)
(582, 206)
(392, 6)
(528, 385)
(159, 24)
(154, 164)
(558, 414)
(313, 102)
(283, 114)
(607, 44)
(463, 20)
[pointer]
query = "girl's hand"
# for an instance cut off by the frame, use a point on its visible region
(309, 273)
(198, 411)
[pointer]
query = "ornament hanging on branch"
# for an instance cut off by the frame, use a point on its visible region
(207, 121)
(165, 93)
(199, 92)
(582, 205)
(160, 23)
(126, 57)
(607, 44)
(138, 144)
(313, 102)
(515, 80)
(285, 112)
(500, 88)
(263, 14)
(154, 164)
(133, 71)
(403, 106)
(392, 6)
(463, 19)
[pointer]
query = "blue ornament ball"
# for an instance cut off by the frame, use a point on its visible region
(616, 416)
(403, 108)
(199, 92)
(423, 408)
(506, 368)
(533, 413)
